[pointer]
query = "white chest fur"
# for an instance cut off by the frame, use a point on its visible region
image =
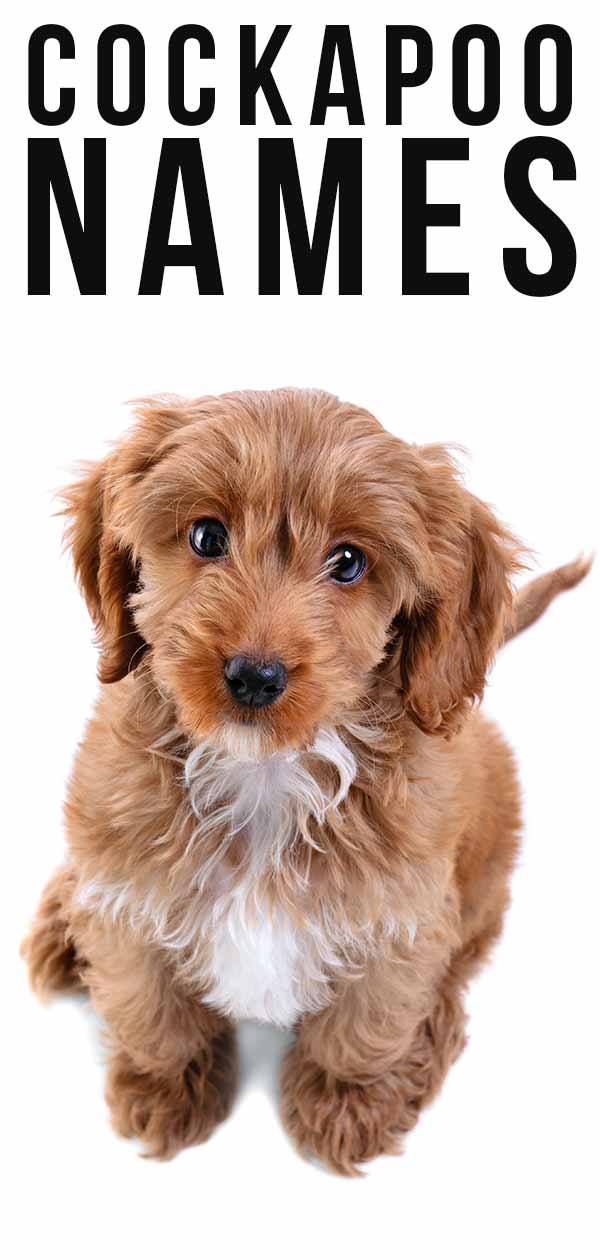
(264, 967)
(247, 960)
(263, 964)
(247, 955)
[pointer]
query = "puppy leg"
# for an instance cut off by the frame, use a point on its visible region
(176, 1106)
(172, 1068)
(361, 1070)
(48, 949)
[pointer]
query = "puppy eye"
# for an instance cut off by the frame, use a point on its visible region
(209, 538)
(346, 563)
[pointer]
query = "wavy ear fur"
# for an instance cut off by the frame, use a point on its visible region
(105, 573)
(105, 568)
(446, 642)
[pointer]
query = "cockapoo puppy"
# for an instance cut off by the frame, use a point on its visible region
(287, 805)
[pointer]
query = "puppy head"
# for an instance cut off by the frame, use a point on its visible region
(282, 558)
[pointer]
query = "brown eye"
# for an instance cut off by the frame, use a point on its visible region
(346, 563)
(209, 538)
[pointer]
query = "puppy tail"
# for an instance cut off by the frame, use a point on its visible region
(533, 599)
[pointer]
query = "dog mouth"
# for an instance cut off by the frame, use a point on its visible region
(245, 740)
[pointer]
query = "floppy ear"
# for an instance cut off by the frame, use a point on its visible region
(446, 642)
(105, 571)
(104, 565)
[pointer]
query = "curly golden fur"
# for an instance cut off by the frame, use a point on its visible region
(339, 859)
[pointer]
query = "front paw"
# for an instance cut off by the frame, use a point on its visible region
(341, 1123)
(168, 1111)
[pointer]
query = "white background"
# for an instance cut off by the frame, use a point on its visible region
(502, 1164)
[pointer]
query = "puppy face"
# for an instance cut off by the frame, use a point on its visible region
(282, 557)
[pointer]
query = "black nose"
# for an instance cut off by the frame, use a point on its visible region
(254, 682)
